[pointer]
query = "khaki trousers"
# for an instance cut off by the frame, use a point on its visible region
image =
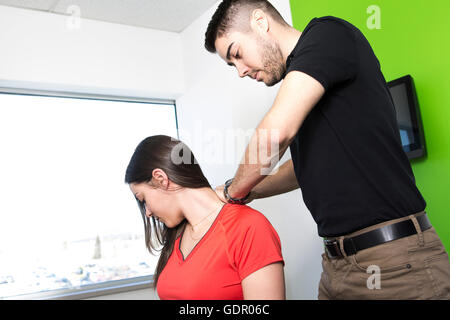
(414, 267)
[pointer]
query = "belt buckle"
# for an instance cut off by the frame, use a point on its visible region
(335, 245)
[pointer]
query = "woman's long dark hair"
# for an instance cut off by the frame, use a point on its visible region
(178, 162)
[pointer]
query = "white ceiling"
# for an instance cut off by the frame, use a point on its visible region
(168, 15)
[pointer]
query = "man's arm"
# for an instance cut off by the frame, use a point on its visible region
(281, 182)
(298, 94)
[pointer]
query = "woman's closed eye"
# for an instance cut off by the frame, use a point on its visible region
(141, 204)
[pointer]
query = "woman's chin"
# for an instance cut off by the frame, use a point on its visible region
(168, 224)
(172, 224)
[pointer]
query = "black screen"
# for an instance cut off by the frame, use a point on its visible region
(402, 108)
(408, 116)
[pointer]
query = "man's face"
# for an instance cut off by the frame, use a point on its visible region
(253, 56)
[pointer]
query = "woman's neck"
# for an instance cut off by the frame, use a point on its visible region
(199, 205)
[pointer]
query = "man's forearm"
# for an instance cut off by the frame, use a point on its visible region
(267, 151)
(281, 182)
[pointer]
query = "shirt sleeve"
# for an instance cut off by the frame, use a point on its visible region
(258, 245)
(327, 52)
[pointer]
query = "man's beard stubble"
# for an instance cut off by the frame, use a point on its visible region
(272, 59)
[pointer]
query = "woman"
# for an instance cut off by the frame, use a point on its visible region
(210, 250)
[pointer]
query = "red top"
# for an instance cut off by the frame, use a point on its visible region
(239, 242)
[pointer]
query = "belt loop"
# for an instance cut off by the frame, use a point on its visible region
(341, 247)
(418, 229)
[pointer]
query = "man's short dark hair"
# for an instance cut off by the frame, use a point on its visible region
(232, 15)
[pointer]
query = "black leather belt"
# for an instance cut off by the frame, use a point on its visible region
(375, 237)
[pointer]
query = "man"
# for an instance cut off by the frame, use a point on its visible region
(335, 113)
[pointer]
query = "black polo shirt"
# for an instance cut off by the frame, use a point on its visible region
(347, 155)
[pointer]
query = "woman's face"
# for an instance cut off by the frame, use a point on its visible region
(159, 203)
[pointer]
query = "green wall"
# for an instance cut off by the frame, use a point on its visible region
(414, 38)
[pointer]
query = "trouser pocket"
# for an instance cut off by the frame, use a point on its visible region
(435, 277)
(387, 271)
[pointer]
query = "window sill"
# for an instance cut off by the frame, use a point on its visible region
(89, 291)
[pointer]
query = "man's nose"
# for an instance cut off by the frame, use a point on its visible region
(242, 69)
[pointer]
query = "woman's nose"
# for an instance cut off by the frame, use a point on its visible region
(148, 213)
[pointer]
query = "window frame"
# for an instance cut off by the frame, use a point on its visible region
(106, 287)
(90, 291)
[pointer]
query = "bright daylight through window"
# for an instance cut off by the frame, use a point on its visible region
(67, 218)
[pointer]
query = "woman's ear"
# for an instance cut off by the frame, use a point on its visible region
(160, 178)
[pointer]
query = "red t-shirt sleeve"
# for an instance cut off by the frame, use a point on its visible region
(257, 244)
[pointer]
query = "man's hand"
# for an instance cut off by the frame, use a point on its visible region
(219, 192)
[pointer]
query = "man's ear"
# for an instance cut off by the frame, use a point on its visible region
(160, 178)
(259, 21)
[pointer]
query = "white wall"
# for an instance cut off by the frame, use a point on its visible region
(40, 51)
(217, 100)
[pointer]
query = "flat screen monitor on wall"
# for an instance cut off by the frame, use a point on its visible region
(408, 116)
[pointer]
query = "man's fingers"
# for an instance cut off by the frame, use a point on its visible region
(219, 192)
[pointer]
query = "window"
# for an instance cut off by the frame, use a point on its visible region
(69, 225)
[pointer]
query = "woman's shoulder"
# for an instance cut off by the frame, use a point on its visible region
(245, 228)
(243, 216)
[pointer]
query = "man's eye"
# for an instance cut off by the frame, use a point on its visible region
(237, 56)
